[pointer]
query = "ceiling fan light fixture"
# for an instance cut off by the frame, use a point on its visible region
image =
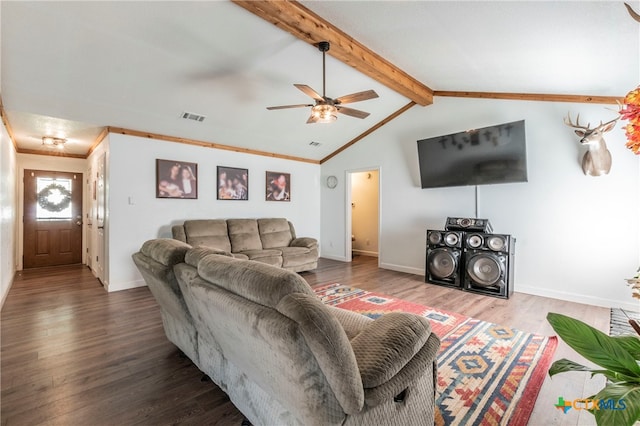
(324, 113)
(325, 110)
(53, 142)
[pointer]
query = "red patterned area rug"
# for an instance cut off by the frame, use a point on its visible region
(488, 374)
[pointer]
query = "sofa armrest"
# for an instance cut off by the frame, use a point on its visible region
(392, 352)
(352, 322)
(304, 242)
(166, 251)
(424, 363)
(329, 345)
(196, 254)
(178, 233)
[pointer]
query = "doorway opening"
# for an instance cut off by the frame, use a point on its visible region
(52, 218)
(363, 213)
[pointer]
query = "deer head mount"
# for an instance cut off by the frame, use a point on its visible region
(597, 160)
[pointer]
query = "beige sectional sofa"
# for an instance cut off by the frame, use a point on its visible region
(270, 241)
(281, 355)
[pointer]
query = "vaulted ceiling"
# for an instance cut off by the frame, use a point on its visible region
(71, 68)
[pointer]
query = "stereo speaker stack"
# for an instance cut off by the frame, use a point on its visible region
(468, 256)
(468, 224)
(444, 257)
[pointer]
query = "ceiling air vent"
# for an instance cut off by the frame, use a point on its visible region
(312, 143)
(192, 116)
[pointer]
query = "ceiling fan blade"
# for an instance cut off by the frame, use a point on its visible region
(289, 106)
(357, 97)
(313, 119)
(352, 112)
(309, 92)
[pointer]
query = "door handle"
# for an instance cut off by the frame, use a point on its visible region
(79, 222)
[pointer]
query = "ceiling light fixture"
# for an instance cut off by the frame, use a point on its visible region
(53, 142)
(324, 113)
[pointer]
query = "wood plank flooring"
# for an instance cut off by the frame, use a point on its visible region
(72, 354)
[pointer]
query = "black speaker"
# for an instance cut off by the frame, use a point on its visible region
(489, 264)
(444, 258)
(468, 224)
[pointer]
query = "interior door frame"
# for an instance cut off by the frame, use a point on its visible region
(49, 165)
(348, 211)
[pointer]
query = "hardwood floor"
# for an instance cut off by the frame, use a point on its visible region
(72, 354)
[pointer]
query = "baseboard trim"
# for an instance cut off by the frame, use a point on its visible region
(332, 257)
(365, 253)
(111, 287)
(402, 268)
(577, 298)
(6, 293)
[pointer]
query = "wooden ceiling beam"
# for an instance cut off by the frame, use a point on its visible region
(5, 120)
(304, 24)
(50, 153)
(204, 144)
(586, 99)
(103, 134)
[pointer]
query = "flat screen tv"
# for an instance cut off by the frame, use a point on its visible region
(495, 154)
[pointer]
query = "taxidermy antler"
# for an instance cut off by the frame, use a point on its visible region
(597, 160)
(632, 12)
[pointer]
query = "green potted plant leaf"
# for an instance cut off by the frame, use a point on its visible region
(618, 358)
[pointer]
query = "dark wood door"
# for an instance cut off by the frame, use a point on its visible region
(52, 218)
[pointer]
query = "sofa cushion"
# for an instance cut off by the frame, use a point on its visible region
(252, 280)
(166, 251)
(257, 254)
(387, 344)
(243, 234)
(270, 257)
(208, 232)
(274, 233)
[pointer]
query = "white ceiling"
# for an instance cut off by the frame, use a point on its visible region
(575, 47)
(73, 67)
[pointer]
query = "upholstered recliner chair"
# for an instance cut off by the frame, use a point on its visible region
(282, 356)
(155, 261)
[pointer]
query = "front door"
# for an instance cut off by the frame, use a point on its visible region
(52, 218)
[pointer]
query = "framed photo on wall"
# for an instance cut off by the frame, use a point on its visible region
(278, 186)
(233, 183)
(176, 179)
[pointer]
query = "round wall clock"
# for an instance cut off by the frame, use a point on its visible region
(332, 182)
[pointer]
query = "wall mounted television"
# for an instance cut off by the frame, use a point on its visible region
(490, 155)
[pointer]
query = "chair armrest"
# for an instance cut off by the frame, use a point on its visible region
(304, 242)
(166, 251)
(392, 352)
(196, 254)
(424, 363)
(352, 323)
(178, 233)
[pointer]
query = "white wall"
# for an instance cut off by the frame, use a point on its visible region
(577, 236)
(364, 212)
(44, 162)
(8, 217)
(136, 215)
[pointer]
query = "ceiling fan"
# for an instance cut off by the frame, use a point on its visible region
(324, 109)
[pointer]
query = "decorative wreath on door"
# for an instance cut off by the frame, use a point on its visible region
(48, 192)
